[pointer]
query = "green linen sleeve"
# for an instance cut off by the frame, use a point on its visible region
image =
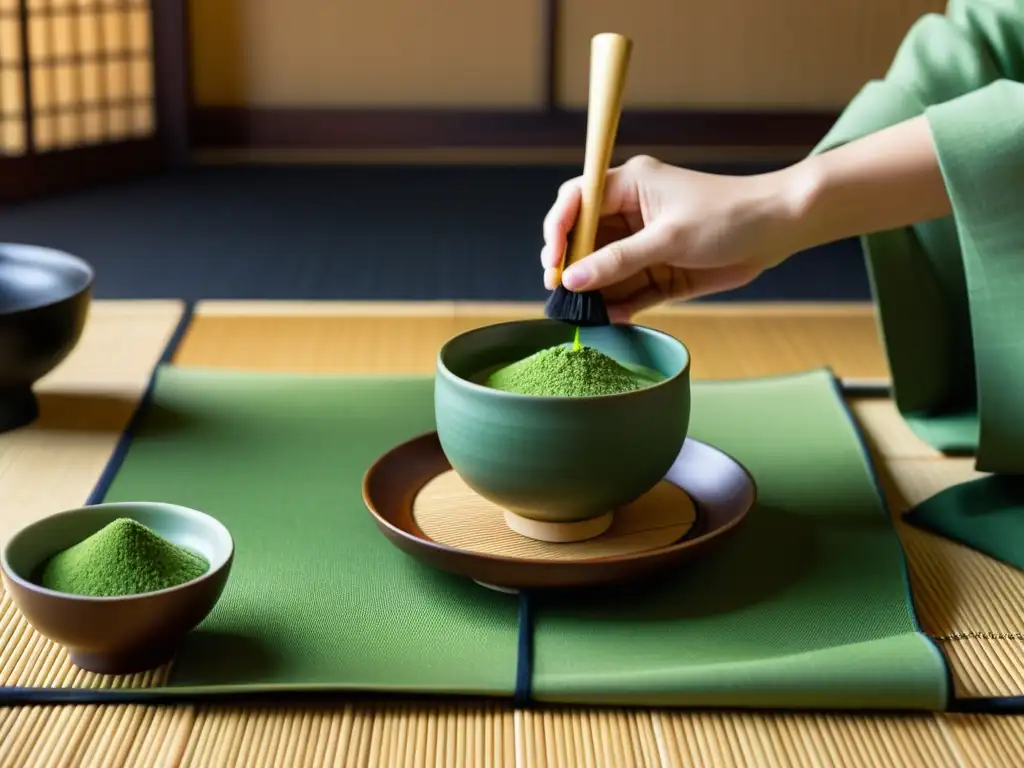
(979, 138)
(950, 293)
(942, 57)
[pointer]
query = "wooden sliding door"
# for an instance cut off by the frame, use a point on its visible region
(13, 110)
(79, 101)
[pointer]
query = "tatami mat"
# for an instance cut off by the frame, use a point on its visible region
(965, 598)
(393, 225)
(972, 604)
(84, 406)
(987, 742)
(888, 433)
(725, 342)
(479, 738)
(746, 740)
(397, 735)
(95, 736)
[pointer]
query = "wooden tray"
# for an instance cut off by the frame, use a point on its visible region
(425, 509)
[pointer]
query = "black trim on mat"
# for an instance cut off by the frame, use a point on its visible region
(167, 696)
(110, 471)
(841, 392)
(865, 389)
(999, 705)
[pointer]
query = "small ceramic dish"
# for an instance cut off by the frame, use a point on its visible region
(117, 635)
(560, 466)
(703, 498)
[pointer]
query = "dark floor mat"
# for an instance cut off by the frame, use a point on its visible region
(343, 232)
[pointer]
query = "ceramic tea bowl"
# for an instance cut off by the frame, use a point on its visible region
(117, 635)
(560, 460)
(44, 300)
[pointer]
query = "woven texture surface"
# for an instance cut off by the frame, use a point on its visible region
(317, 596)
(783, 615)
(123, 341)
(786, 615)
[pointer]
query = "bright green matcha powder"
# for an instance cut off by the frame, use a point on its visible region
(122, 558)
(575, 371)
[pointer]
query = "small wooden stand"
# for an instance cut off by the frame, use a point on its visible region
(559, 533)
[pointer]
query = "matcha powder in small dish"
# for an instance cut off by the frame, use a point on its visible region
(123, 558)
(575, 371)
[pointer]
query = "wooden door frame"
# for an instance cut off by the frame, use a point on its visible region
(38, 174)
(172, 62)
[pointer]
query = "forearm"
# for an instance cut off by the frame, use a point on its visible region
(885, 180)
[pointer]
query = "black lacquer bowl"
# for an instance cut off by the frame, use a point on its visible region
(44, 301)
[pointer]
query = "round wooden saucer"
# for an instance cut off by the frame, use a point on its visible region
(447, 511)
(424, 508)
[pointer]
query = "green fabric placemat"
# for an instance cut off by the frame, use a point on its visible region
(317, 597)
(807, 606)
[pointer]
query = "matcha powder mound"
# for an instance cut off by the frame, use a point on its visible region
(566, 372)
(123, 558)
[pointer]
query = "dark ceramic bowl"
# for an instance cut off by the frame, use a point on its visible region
(44, 300)
(117, 635)
(560, 459)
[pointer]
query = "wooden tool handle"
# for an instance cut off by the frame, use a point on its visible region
(609, 61)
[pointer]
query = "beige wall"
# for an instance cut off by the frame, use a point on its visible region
(366, 52)
(729, 53)
(487, 53)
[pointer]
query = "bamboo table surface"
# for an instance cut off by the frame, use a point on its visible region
(86, 403)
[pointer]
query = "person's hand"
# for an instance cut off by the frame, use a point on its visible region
(669, 233)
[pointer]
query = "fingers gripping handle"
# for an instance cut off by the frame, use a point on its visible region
(609, 62)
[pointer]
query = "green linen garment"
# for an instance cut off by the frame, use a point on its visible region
(950, 292)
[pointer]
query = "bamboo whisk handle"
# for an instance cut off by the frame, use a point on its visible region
(609, 62)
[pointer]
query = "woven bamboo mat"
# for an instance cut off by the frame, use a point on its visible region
(961, 596)
(84, 406)
(726, 341)
(474, 738)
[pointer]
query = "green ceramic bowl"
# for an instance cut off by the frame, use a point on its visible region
(560, 459)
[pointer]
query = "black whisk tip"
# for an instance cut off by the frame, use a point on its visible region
(582, 309)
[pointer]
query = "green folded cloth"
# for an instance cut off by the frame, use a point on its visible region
(985, 514)
(950, 292)
(806, 606)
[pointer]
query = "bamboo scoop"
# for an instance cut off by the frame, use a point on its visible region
(609, 61)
